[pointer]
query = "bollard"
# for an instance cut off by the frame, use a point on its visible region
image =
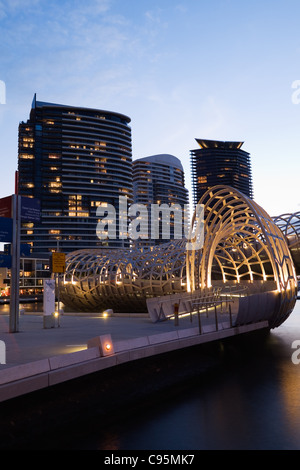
(199, 321)
(48, 321)
(176, 309)
(56, 316)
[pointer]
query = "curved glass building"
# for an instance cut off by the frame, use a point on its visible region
(159, 180)
(73, 159)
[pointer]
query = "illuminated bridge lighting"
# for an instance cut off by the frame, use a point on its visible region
(289, 224)
(242, 246)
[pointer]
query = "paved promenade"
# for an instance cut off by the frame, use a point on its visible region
(33, 342)
(37, 357)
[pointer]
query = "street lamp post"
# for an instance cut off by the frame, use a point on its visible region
(15, 268)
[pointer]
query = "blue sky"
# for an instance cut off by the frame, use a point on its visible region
(181, 69)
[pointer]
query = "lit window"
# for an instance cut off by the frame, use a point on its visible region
(54, 156)
(202, 179)
(26, 156)
(55, 191)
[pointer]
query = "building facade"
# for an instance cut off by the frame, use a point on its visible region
(73, 160)
(159, 180)
(33, 273)
(217, 162)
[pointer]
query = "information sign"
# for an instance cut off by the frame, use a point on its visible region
(58, 262)
(24, 250)
(30, 209)
(6, 207)
(5, 261)
(49, 296)
(6, 229)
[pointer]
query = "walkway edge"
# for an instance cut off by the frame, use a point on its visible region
(26, 378)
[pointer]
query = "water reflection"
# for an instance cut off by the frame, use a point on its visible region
(290, 386)
(252, 402)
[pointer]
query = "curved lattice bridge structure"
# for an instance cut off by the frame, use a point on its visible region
(244, 250)
(290, 226)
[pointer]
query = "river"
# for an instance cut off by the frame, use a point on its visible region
(252, 402)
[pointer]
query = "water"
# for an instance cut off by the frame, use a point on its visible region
(251, 402)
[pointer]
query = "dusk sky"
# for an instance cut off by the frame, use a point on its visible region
(180, 69)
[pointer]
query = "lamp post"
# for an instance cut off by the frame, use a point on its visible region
(15, 269)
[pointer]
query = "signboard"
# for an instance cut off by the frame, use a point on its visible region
(24, 250)
(6, 229)
(5, 261)
(30, 209)
(58, 262)
(49, 296)
(6, 207)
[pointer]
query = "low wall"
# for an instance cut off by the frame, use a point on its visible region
(61, 396)
(26, 378)
(257, 307)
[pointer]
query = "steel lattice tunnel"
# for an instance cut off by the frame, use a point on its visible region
(242, 245)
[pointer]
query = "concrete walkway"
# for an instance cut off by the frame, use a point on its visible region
(37, 357)
(33, 342)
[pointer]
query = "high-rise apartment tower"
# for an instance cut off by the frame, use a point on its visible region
(73, 159)
(159, 180)
(217, 162)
